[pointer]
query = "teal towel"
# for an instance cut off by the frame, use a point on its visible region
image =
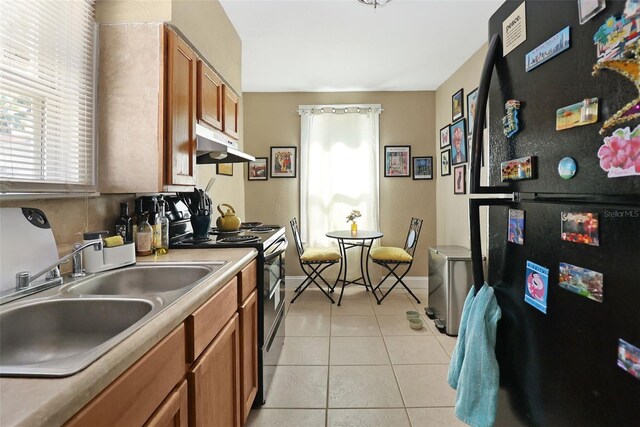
(473, 371)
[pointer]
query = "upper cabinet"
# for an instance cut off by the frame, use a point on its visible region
(231, 112)
(180, 112)
(209, 97)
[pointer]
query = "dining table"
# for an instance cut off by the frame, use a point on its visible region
(348, 239)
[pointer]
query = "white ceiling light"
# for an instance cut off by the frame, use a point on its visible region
(374, 3)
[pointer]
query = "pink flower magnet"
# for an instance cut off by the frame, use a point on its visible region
(620, 154)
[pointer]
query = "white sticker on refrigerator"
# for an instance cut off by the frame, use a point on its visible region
(514, 30)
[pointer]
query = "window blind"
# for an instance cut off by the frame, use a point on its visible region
(47, 96)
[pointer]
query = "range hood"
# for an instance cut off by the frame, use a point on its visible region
(215, 147)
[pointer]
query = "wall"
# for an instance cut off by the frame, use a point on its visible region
(452, 209)
(271, 119)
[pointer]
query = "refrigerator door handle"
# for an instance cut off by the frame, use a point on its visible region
(476, 239)
(493, 53)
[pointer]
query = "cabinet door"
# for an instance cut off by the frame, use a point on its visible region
(209, 96)
(214, 381)
(180, 135)
(249, 352)
(174, 410)
(231, 112)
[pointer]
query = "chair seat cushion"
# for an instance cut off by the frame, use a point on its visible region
(388, 253)
(320, 254)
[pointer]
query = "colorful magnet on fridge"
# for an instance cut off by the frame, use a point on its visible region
(510, 122)
(629, 358)
(536, 286)
(580, 114)
(516, 226)
(547, 50)
(567, 168)
(620, 153)
(580, 227)
(518, 169)
(582, 281)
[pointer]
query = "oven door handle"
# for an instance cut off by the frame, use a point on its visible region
(280, 247)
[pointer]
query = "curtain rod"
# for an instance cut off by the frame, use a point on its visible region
(339, 108)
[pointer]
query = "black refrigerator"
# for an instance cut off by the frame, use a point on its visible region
(563, 252)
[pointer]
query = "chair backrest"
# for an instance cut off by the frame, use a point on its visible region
(412, 236)
(296, 236)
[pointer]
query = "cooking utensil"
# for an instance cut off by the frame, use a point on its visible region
(228, 221)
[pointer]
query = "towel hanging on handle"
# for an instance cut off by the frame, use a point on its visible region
(473, 371)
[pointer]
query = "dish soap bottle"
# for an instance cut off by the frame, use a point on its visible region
(124, 224)
(161, 246)
(144, 236)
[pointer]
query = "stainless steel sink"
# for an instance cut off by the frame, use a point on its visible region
(58, 337)
(144, 280)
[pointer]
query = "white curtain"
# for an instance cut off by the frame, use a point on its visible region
(338, 169)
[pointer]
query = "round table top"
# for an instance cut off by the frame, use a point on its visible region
(359, 235)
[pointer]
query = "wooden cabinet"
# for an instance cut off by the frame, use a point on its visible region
(174, 411)
(231, 112)
(209, 111)
(180, 112)
(248, 352)
(132, 398)
(214, 381)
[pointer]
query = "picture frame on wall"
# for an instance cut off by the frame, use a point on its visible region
(445, 139)
(258, 170)
(284, 161)
(457, 105)
(460, 179)
(224, 169)
(445, 163)
(397, 161)
(423, 167)
(458, 142)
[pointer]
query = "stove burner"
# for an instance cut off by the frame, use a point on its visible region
(239, 239)
(261, 229)
(215, 230)
(194, 240)
(250, 224)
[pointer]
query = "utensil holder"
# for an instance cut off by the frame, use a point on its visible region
(200, 225)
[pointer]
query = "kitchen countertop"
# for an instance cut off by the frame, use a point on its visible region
(52, 401)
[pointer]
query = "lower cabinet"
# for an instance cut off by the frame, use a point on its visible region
(249, 352)
(214, 381)
(174, 411)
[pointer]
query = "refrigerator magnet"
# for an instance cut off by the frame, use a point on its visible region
(620, 154)
(629, 358)
(519, 169)
(579, 114)
(567, 168)
(516, 226)
(536, 286)
(584, 282)
(547, 50)
(580, 227)
(510, 123)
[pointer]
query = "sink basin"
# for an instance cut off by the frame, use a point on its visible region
(142, 280)
(58, 337)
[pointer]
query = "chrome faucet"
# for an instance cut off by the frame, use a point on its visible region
(24, 278)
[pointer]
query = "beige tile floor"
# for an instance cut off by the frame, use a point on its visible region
(359, 365)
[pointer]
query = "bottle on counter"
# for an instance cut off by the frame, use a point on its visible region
(154, 221)
(124, 224)
(144, 235)
(138, 211)
(162, 245)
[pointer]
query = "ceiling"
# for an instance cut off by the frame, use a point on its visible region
(342, 45)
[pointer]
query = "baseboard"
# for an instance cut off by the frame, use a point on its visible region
(413, 282)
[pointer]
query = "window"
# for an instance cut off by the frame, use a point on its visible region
(338, 169)
(47, 76)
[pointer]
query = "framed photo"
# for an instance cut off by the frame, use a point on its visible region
(283, 162)
(472, 101)
(445, 163)
(458, 142)
(224, 169)
(445, 139)
(397, 160)
(457, 105)
(587, 9)
(423, 167)
(259, 170)
(460, 179)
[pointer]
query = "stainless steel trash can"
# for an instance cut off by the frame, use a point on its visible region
(450, 278)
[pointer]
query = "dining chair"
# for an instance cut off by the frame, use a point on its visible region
(313, 262)
(393, 258)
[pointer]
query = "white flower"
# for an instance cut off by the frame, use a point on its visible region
(353, 215)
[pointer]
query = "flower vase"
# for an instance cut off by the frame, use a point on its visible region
(354, 227)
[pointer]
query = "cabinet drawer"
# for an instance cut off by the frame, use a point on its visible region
(174, 411)
(132, 398)
(247, 281)
(205, 323)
